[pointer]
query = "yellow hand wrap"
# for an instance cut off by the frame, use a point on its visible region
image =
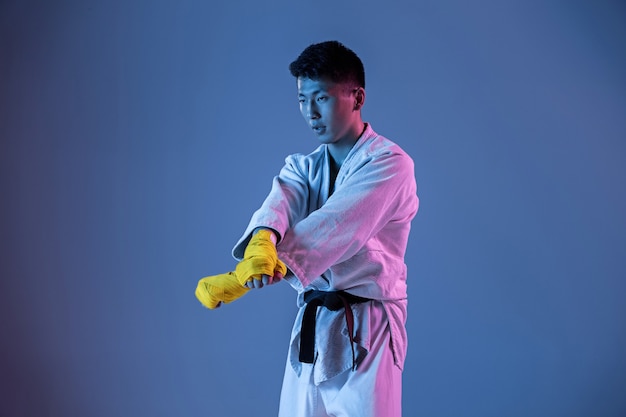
(219, 288)
(259, 259)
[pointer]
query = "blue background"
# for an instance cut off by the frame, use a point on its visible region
(138, 137)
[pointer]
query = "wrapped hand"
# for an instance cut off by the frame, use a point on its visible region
(259, 259)
(224, 288)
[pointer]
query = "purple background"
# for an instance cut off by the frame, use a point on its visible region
(137, 137)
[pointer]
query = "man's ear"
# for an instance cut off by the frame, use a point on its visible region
(359, 98)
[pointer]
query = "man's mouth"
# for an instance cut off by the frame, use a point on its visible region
(318, 128)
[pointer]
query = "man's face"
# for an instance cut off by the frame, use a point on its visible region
(330, 109)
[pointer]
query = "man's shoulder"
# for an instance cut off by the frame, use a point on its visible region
(306, 162)
(317, 153)
(379, 145)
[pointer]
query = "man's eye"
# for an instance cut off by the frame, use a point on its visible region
(322, 98)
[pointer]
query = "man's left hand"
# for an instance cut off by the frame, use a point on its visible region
(260, 259)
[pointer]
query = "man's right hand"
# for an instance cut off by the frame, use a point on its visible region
(217, 289)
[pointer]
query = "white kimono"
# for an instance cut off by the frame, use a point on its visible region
(353, 240)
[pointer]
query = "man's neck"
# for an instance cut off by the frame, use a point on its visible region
(339, 151)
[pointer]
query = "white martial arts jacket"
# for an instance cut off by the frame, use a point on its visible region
(353, 240)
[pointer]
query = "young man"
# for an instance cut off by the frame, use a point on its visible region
(335, 227)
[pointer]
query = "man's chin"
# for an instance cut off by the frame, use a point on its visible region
(326, 139)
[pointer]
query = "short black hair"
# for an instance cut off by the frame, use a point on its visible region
(329, 59)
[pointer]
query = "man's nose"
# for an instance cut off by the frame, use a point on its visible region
(311, 111)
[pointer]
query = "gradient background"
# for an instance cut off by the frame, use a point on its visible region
(137, 138)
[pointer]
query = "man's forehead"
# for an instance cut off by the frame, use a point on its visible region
(310, 86)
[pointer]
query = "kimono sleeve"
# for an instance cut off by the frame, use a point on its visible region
(380, 191)
(284, 206)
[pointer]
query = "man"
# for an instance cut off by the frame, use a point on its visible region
(335, 227)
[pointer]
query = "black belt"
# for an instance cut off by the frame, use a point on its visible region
(334, 301)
